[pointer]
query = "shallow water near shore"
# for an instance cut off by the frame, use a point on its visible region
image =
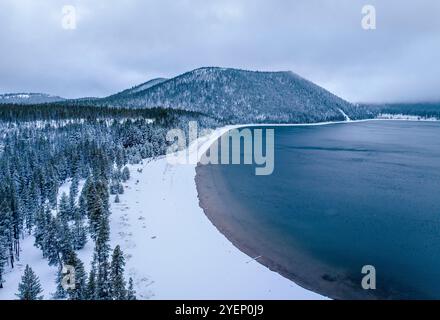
(341, 196)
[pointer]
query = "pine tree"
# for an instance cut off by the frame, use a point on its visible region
(30, 287)
(60, 293)
(53, 189)
(79, 232)
(73, 191)
(125, 174)
(6, 224)
(101, 255)
(51, 246)
(64, 236)
(65, 210)
(121, 189)
(91, 284)
(118, 290)
(4, 249)
(40, 228)
(95, 216)
(117, 199)
(114, 188)
(131, 294)
(79, 292)
(34, 202)
(82, 206)
(101, 186)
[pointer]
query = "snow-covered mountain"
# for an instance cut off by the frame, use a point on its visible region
(240, 96)
(28, 98)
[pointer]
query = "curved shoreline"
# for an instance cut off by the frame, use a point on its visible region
(214, 210)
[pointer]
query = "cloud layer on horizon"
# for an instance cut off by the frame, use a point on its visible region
(120, 44)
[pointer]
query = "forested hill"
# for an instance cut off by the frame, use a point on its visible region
(28, 98)
(239, 96)
(420, 109)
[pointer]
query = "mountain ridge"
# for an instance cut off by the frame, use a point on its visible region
(29, 98)
(237, 95)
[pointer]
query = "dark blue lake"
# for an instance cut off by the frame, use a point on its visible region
(341, 196)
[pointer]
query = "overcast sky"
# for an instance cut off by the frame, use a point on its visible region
(118, 44)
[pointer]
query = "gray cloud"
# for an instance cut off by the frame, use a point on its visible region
(118, 44)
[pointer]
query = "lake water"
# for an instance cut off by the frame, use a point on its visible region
(341, 196)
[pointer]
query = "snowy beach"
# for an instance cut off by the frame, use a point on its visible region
(172, 250)
(175, 252)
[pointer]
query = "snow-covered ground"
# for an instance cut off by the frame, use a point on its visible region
(172, 250)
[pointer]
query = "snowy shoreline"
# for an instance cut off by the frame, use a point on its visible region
(286, 289)
(172, 249)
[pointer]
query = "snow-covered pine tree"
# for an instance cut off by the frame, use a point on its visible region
(79, 231)
(65, 209)
(52, 187)
(82, 206)
(91, 284)
(95, 207)
(120, 189)
(125, 174)
(79, 292)
(117, 280)
(73, 191)
(33, 204)
(6, 224)
(29, 287)
(101, 186)
(4, 249)
(131, 293)
(64, 236)
(40, 229)
(96, 213)
(117, 199)
(60, 293)
(51, 246)
(101, 256)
